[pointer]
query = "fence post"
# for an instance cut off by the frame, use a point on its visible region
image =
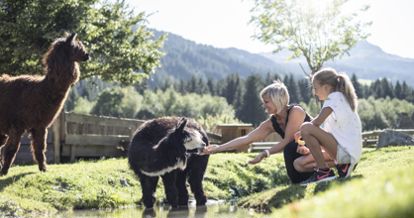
(57, 127)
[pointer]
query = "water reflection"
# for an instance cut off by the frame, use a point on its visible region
(214, 209)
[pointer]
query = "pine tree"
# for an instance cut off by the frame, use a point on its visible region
(211, 87)
(357, 86)
(293, 90)
(232, 87)
(251, 110)
(305, 90)
(398, 90)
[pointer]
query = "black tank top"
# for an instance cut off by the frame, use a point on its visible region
(276, 126)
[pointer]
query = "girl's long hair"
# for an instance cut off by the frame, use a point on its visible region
(340, 82)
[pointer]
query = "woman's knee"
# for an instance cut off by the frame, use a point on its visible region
(298, 164)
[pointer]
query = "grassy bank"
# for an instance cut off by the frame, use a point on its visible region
(380, 187)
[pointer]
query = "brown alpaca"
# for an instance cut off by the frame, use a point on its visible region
(31, 103)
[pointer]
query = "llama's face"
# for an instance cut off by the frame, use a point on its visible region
(76, 50)
(191, 139)
(194, 140)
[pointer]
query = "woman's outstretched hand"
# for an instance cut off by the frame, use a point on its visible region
(258, 158)
(211, 149)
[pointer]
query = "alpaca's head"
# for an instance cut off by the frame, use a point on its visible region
(62, 57)
(189, 139)
(75, 49)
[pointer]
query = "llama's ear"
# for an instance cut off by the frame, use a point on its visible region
(181, 124)
(71, 38)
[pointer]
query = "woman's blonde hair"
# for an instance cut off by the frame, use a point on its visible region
(340, 82)
(278, 94)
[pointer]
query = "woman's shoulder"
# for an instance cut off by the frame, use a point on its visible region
(296, 108)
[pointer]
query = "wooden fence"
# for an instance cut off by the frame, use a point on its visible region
(84, 136)
(75, 136)
(370, 138)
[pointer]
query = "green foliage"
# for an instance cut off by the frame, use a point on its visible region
(208, 110)
(118, 102)
(82, 106)
(122, 48)
(382, 113)
(318, 34)
(251, 110)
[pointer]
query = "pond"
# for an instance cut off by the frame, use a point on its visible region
(216, 209)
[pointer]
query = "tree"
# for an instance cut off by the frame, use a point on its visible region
(251, 110)
(232, 89)
(318, 34)
(293, 90)
(357, 86)
(305, 90)
(121, 46)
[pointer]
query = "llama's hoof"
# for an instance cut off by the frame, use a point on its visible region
(42, 168)
(3, 172)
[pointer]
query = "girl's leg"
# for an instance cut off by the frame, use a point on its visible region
(314, 137)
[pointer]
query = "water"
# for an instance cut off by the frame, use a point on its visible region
(216, 209)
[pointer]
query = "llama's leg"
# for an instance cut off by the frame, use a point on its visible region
(39, 147)
(148, 186)
(10, 149)
(3, 140)
(169, 180)
(182, 188)
(198, 165)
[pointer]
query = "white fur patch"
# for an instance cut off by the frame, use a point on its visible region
(196, 141)
(179, 165)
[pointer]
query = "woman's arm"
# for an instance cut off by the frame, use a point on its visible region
(263, 130)
(296, 117)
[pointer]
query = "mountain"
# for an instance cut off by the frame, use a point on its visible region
(365, 60)
(185, 58)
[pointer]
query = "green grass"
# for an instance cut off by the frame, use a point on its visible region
(380, 187)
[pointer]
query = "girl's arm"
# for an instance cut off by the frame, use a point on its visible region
(260, 133)
(325, 112)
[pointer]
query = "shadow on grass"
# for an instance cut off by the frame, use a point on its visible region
(6, 181)
(323, 186)
(287, 195)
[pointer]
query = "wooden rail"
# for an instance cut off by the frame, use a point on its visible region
(83, 136)
(369, 139)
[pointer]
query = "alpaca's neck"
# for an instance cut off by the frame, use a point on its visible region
(61, 77)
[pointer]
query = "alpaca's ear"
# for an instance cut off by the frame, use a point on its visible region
(181, 124)
(71, 38)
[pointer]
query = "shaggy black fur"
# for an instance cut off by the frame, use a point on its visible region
(161, 148)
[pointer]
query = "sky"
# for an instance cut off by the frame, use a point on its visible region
(225, 23)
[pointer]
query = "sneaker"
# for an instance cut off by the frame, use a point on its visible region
(320, 175)
(344, 170)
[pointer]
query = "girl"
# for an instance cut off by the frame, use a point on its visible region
(341, 132)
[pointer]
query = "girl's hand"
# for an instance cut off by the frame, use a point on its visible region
(211, 149)
(298, 138)
(303, 150)
(258, 158)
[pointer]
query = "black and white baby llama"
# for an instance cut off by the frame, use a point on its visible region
(168, 147)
